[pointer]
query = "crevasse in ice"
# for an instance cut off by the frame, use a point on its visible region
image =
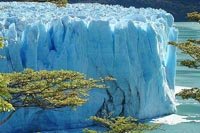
(99, 40)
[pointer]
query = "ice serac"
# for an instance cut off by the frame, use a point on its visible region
(99, 40)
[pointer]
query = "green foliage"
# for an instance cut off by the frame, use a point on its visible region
(1, 42)
(49, 89)
(122, 125)
(5, 96)
(193, 93)
(191, 48)
(59, 3)
(194, 16)
(45, 89)
(89, 131)
(1, 45)
(5, 106)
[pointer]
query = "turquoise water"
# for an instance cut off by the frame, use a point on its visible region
(186, 77)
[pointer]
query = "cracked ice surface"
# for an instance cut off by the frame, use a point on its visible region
(99, 40)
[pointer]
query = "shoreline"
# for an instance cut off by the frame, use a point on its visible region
(175, 119)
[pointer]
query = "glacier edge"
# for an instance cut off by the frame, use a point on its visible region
(133, 49)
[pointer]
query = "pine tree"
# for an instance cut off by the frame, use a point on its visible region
(59, 3)
(121, 125)
(192, 48)
(1, 42)
(45, 89)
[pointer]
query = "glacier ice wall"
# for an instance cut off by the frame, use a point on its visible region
(99, 40)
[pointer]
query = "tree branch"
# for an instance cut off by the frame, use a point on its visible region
(7, 118)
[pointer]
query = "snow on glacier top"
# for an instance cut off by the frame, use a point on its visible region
(115, 14)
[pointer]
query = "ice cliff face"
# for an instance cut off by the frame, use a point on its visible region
(99, 40)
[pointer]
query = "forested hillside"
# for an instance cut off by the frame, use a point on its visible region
(178, 8)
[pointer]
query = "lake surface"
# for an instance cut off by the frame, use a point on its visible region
(188, 111)
(185, 76)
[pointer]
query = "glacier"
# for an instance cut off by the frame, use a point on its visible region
(128, 44)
